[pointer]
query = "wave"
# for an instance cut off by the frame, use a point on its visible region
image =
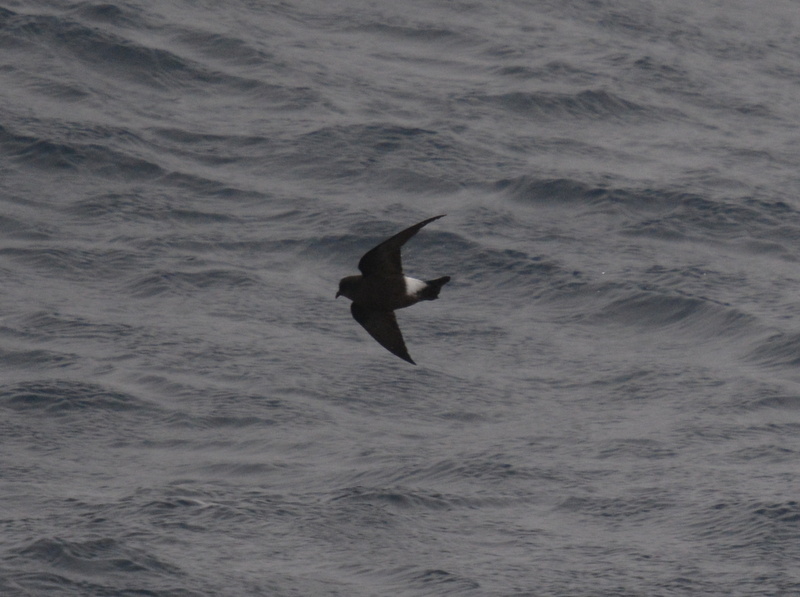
(589, 104)
(768, 527)
(696, 316)
(35, 359)
(74, 263)
(753, 224)
(183, 283)
(98, 157)
(102, 46)
(781, 350)
(63, 396)
(93, 556)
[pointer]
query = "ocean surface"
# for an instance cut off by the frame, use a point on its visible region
(607, 396)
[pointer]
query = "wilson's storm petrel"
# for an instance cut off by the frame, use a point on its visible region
(381, 288)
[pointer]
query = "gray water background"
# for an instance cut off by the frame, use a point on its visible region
(607, 400)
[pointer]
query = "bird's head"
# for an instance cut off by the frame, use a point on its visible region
(348, 287)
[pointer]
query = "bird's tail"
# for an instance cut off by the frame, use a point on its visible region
(432, 288)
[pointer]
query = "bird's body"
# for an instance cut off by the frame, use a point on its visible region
(387, 293)
(382, 288)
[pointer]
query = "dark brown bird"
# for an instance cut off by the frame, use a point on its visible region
(381, 288)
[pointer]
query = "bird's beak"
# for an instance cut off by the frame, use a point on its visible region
(338, 294)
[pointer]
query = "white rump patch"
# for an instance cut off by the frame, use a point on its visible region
(414, 286)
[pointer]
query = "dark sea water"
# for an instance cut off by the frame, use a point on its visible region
(607, 401)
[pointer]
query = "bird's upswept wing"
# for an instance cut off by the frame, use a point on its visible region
(384, 260)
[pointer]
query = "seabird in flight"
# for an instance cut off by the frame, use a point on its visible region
(382, 288)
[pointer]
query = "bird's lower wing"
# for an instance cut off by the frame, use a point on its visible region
(382, 325)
